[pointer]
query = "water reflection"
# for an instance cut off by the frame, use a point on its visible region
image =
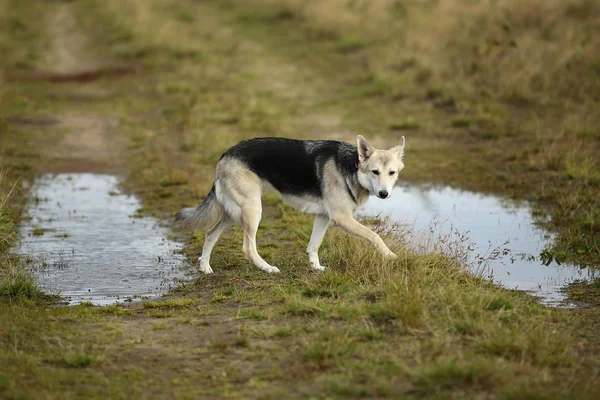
(90, 247)
(491, 224)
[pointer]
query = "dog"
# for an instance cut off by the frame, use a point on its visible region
(328, 178)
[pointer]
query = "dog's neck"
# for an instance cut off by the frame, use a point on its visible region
(359, 193)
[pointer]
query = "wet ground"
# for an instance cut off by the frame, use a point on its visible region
(88, 244)
(505, 244)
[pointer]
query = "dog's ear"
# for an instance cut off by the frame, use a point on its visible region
(364, 148)
(399, 148)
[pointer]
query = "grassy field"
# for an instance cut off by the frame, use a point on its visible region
(498, 97)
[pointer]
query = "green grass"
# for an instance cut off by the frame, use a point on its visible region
(38, 231)
(461, 123)
(77, 360)
(416, 327)
(21, 287)
(449, 373)
(521, 163)
(169, 303)
(405, 125)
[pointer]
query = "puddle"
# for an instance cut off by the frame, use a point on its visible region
(490, 223)
(88, 246)
(91, 248)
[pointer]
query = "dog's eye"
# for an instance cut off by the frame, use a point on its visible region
(392, 173)
(375, 172)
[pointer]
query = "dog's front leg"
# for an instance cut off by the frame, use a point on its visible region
(316, 238)
(348, 224)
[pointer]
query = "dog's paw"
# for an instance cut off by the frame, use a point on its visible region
(390, 255)
(206, 269)
(271, 270)
(318, 267)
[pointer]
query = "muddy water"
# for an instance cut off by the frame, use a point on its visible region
(504, 241)
(88, 246)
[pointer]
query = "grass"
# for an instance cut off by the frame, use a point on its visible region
(438, 74)
(449, 373)
(168, 303)
(461, 123)
(415, 327)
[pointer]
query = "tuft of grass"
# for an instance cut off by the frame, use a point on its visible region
(314, 292)
(499, 303)
(404, 125)
(586, 133)
(454, 374)
(349, 44)
(329, 347)
(21, 287)
(77, 360)
(169, 303)
(461, 122)
(252, 314)
(114, 310)
(38, 231)
(163, 326)
(296, 305)
(241, 342)
(285, 331)
(222, 295)
(5, 384)
(581, 168)
(369, 334)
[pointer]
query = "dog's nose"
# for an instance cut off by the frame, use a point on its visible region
(383, 194)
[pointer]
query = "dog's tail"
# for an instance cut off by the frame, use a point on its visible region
(203, 217)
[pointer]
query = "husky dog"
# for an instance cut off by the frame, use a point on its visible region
(324, 177)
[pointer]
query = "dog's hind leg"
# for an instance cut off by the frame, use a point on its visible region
(316, 238)
(209, 242)
(251, 214)
(239, 191)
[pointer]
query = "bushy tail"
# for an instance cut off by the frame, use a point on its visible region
(203, 217)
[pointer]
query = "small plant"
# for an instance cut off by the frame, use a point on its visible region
(20, 287)
(328, 347)
(461, 123)
(452, 373)
(222, 295)
(241, 342)
(38, 231)
(299, 306)
(174, 302)
(115, 310)
(499, 303)
(404, 125)
(369, 334)
(289, 330)
(77, 360)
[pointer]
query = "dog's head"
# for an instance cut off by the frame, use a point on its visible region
(378, 169)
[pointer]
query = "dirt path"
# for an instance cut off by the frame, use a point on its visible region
(416, 327)
(87, 141)
(67, 53)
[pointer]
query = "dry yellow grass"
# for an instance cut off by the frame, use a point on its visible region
(535, 49)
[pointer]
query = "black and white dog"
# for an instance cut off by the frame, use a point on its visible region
(324, 177)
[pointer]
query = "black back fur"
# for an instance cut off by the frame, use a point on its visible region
(295, 166)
